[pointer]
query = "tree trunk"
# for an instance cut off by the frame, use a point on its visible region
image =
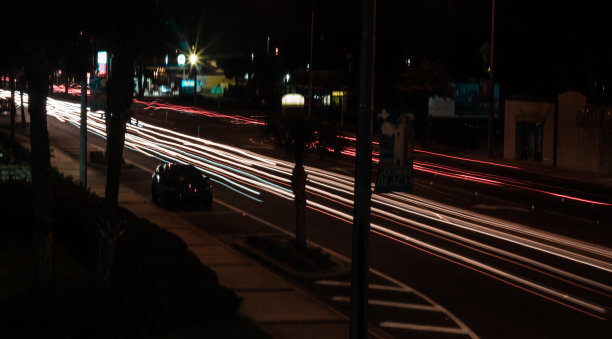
(41, 178)
(298, 184)
(120, 91)
(23, 118)
(114, 152)
(12, 108)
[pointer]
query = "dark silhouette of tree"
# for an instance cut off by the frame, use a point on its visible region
(34, 50)
(267, 78)
(423, 80)
(133, 31)
(12, 108)
(234, 67)
(37, 73)
(21, 82)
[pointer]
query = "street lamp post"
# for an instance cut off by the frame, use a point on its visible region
(491, 129)
(193, 59)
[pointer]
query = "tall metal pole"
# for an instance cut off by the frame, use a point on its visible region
(373, 63)
(363, 180)
(83, 144)
(195, 87)
(491, 133)
(310, 62)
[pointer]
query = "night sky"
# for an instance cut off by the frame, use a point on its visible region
(541, 47)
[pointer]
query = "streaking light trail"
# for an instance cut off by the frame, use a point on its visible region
(419, 166)
(445, 232)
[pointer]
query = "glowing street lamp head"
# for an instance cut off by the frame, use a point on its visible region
(181, 60)
(193, 59)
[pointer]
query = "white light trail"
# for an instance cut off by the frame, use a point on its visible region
(250, 174)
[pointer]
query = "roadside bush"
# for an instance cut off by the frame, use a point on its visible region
(159, 289)
(15, 208)
(159, 265)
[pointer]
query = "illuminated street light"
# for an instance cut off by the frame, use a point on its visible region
(181, 60)
(193, 59)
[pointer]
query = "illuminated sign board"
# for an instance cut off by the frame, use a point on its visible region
(102, 60)
(396, 143)
(292, 99)
(216, 90)
(188, 83)
(181, 60)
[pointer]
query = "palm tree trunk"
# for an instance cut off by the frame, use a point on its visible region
(23, 118)
(114, 152)
(120, 92)
(41, 179)
(119, 98)
(13, 110)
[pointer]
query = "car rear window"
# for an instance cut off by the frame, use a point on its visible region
(184, 173)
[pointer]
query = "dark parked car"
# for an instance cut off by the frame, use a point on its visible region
(180, 184)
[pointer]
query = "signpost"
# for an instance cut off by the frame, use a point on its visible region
(102, 61)
(97, 100)
(396, 140)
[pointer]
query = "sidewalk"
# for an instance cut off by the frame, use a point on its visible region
(274, 304)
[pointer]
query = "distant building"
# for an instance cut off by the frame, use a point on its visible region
(566, 132)
(171, 79)
(332, 91)
(470, 100)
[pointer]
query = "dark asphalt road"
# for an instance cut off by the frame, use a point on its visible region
(491, 305)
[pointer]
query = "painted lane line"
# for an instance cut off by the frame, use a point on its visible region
(423, 328)
(506, 225)
(542, 247)
(497, 250)
(370, 286)
(474, 263)
(393, 304)
(457, 321)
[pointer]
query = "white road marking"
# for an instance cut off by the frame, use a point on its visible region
(393, 304)
(424, 328)
(371, 286)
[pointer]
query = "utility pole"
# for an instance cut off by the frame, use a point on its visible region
(195, 86)
(363, 180)
(310, 62)
(83, 133)
(491, 133)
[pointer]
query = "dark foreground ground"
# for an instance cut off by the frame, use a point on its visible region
(158, 289)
